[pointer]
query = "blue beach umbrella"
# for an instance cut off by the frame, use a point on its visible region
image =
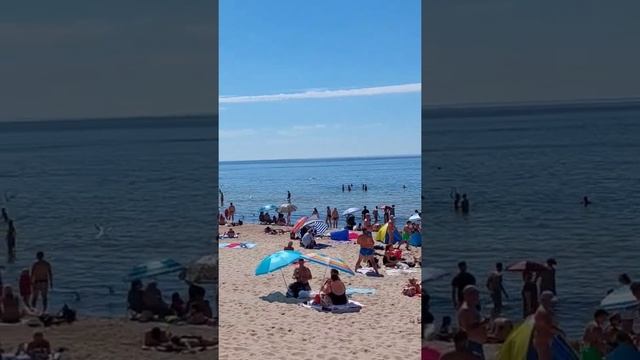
(154, 268)
(277, 261)
(267, 208)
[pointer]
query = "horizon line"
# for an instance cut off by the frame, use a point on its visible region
(399, 156)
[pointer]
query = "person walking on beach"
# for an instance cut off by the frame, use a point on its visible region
(529, 295)
(459, 282)
(5, 216)
(11, 241)
(375, 215)
(366, 251)
(465, 204)
(470, 321)
(41, 280)
(496, 289)
(334, 217)
(548, 277)
(327, 220)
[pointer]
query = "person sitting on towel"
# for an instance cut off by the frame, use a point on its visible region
(230, 233)
(302, 275)
(307, 241)
(413, 288)
(152, 300)
(333, 291)
(10, 307)
(390, 259)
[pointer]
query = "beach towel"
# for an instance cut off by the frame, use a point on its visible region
(350, 307)
(242, 245)
(395, 272)
(367, 271)
(360, 291)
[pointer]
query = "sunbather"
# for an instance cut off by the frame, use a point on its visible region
(333, 291)
(413, 288)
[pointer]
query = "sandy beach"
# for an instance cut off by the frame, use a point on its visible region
(100, 338)
(258, 321)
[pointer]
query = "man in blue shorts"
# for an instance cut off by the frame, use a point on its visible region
(365, 240)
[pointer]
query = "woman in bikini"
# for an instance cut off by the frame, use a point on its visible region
(334, 291)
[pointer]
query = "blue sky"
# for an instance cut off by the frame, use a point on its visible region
(308, 79)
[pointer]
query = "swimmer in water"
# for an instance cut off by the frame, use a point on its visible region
(585, 201)
(455, 195)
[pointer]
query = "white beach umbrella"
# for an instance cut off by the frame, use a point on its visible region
(415, 218)
(351, 210)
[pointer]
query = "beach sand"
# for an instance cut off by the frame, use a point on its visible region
(102, 339)
(257, 321)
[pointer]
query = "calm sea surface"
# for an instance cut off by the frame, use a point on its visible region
(525, 177)
(151, 181)
(318, 183)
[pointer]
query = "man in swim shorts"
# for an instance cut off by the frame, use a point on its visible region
(365, 240)
(41, 280)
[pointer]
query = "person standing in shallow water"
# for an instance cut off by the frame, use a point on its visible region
(548, 278)
(342, 187)
(529, 295)
(289, 196)
(496, 289)
(465, 204)
(585, 201)
(5, 216)
(221, 198)
(41, 280)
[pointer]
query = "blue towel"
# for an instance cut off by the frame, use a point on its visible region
(360, 291)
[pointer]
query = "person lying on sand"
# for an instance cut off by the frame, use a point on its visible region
(334, 292)
(461, 351)
(164, 341)
(412, 289)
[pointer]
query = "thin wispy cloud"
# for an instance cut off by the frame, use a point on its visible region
(236, 133)
(300, 129)
(325, 94)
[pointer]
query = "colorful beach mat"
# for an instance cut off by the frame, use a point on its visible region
(236, 245)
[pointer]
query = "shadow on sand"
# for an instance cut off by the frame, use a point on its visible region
(280, 298)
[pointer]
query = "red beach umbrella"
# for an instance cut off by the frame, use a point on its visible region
(299, 224)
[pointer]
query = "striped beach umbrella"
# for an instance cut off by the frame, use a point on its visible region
(319, 226)
(299, 224)
(328, 261)
(154, 268)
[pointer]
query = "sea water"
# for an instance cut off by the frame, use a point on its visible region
(525, 176)
(317, 183)
(150, 182)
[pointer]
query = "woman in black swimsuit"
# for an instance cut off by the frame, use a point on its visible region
(335, 289)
